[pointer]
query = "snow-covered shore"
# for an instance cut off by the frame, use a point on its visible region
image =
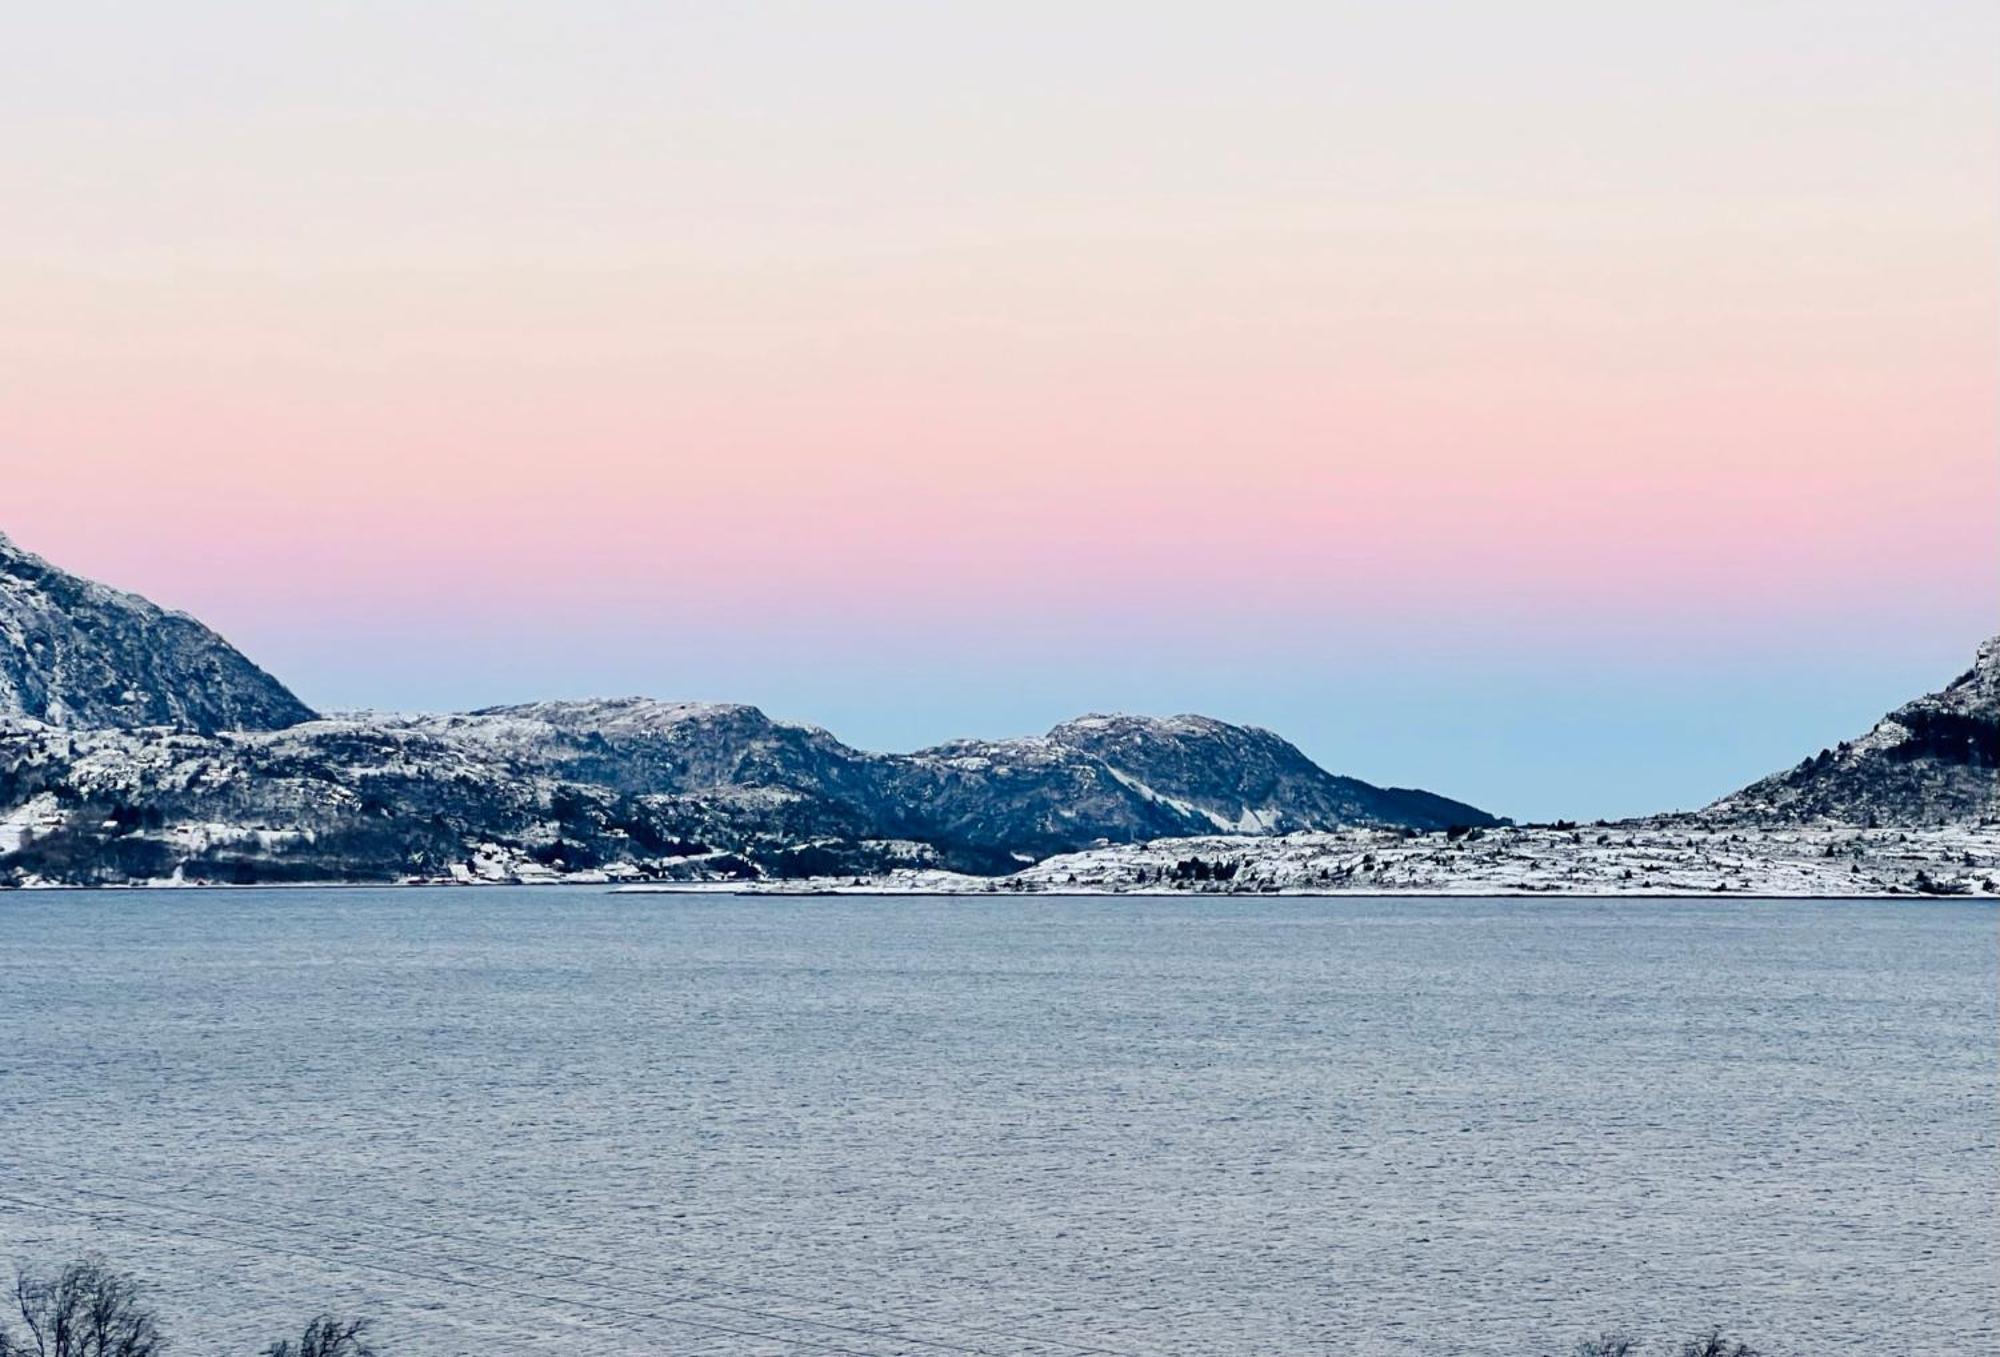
(1645, 858)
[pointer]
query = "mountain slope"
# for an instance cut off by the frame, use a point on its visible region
(1022, 800)
(76, 653)
(630, 785)
(1245, 780)
(642, 744)
(1934, 760)
(135, 744)
(381, 797)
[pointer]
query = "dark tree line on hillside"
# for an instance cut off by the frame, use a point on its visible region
(1199, 869)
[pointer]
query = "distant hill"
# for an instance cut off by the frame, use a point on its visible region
(1131, 778)
(75, 653)
(1246, 780)
(141, 746)
(1932, 761)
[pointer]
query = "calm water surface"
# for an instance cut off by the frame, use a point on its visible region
(558, 1120)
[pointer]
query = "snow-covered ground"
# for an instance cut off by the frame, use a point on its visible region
(1659, 857)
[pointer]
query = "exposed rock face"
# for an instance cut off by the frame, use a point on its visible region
(75, 653)
(1935, 760)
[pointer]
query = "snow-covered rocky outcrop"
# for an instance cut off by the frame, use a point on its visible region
(76, 653)
(1932, 761)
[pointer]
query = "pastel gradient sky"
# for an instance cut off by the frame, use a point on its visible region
(1577, 408)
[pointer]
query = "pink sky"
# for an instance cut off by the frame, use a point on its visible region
(1564, 333)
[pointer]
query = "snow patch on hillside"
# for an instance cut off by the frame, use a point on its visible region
(1188, 808)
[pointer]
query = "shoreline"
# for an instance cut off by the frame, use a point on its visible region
(739, 890)
(1658, 860)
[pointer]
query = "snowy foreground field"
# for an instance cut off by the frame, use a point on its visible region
(1663, 857)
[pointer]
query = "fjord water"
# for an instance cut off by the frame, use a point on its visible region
(552, 1119)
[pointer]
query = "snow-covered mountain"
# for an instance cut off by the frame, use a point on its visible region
(1132, 778)
(1932, 761)
(374, 797)
(1912, 807)
(135, 744)
(1246, 780)
(76, 653)
(657, 788)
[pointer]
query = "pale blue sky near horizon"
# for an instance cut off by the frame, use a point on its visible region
(1563, 736)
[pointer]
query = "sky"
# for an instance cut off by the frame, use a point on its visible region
(1578, 409)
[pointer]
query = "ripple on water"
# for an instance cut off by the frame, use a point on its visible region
(500, 1119)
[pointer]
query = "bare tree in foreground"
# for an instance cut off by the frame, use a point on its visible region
(89, 1309)
(85, 1310)
(327, 1336)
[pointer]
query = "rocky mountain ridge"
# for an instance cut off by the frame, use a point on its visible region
(77, 653)
(1271, 787)
(200, 766)
(1910, 808)
(137, 745)
(1935, 760)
